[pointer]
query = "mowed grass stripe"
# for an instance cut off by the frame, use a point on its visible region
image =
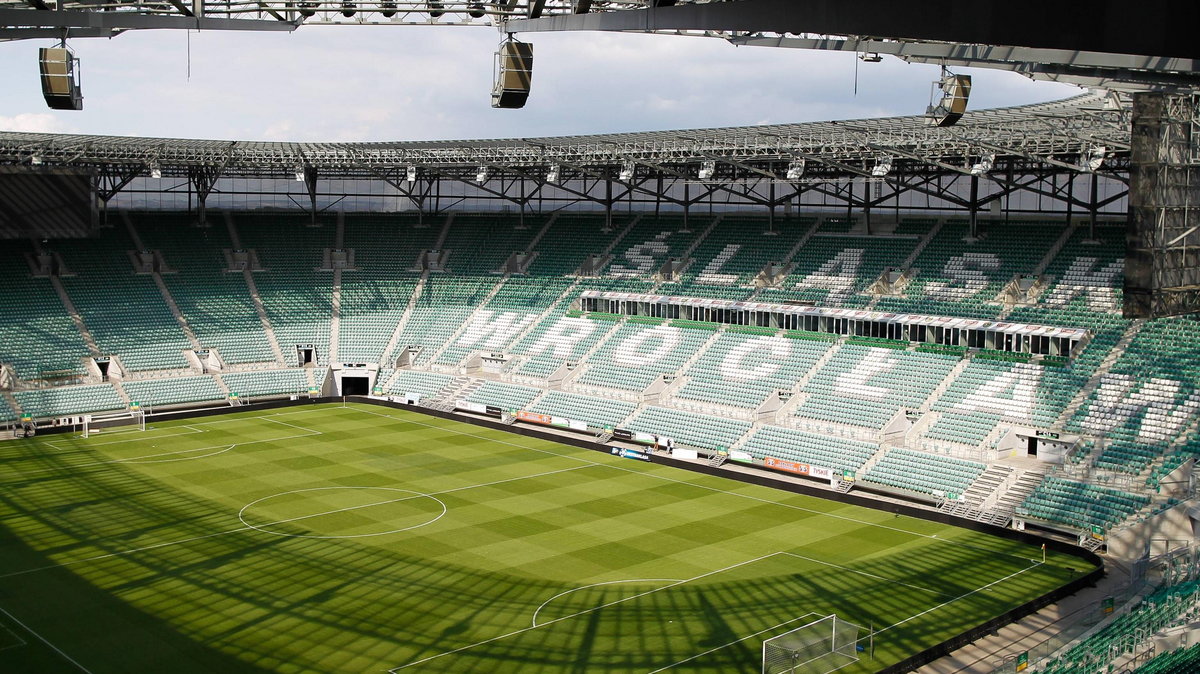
(527, 520)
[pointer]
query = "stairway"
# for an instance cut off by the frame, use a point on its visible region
(75, 317)
(261, 310)
(700, 239)
(987, 484)
(1021, 487)
(1105, 366)
(544, 315)
(388, 357)
(335, 320)
(1054, 250)
(453, 338)
(945, 383)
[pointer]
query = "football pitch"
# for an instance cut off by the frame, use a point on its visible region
(326, 538)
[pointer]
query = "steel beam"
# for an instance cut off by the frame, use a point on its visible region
(33, 19)
(1157, 27)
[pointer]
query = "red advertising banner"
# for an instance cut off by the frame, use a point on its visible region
(798, 468)
(534, 417)
(785, 465)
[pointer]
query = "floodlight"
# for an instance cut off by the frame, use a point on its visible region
(626, 171)
(481, 175)
(707, 169)
(35, 159)
(410, 174)
(795, 169)
(155, 169)
(389, 8)
(475, 9)
(870, 57)
(553, 174)
(299, 173)
(1093, 158)
(883, 166)
(984, 166)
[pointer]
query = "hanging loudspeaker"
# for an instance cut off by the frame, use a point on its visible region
(514, 70)
(60, 78)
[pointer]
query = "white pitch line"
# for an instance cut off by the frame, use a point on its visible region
(608, 582)
(143, 458)
(583, 612)
(55, 443)
(868, 575)
(44, 641)
(932, 537)
(748, 636)
(244, 528)
(121, 553)
(15, 636)
(961, 596)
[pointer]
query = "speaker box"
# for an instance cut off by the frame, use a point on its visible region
(60, 82)
(956, 89)
(514, 71)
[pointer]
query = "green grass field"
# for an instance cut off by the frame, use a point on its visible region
(367, 539)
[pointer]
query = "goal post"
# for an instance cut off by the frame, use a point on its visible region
(115, 421)
(823, 645)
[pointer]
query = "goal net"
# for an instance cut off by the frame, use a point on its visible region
(116, 421)
(821, 646)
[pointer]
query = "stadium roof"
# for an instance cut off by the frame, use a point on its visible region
(1053, 135)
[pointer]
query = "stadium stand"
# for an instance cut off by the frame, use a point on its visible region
(37, 336)
(504, 396)
(266, 383)
(1165, 606)
(156, 392)
(124, 312)
(838, 454)
(1179, 661)
(1081, 505)
(7, 413)
(598, 412)
(69, 401)
(215, 302)
(375, 295)
(425, 384)
(296, 296)
(1129, 394)
(921, 472)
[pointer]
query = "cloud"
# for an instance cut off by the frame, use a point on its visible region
(363, 83)
(35, 122)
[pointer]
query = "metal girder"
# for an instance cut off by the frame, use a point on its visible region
(1122, 72)
(1041, 133)
(32, 19)
(1158, 27)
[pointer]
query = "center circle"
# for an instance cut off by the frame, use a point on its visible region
(341, 512)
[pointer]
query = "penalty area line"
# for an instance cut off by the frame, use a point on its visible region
(961, 596)
(583, 612)
(735, 641)
(43, 639)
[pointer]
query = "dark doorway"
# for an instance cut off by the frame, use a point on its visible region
(356, 386)
(1033, 446)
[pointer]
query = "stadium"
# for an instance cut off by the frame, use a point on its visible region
(893, 394)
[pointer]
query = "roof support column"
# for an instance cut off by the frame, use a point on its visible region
(203, 178)
(974, 207)
(310, 185)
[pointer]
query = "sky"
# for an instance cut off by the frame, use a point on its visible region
(379, 83)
